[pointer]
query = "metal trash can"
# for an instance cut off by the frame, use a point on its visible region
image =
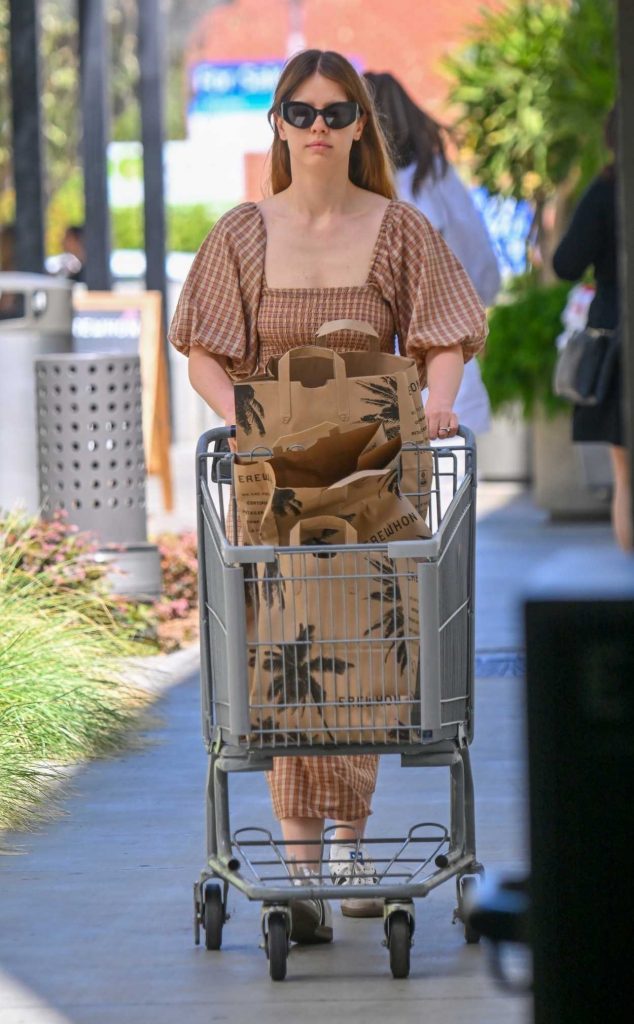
(91, 459)
(35, 319)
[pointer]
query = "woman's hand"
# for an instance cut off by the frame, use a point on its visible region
(442, 421)
(444, 373)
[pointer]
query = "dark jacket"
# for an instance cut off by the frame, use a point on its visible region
(590, 241)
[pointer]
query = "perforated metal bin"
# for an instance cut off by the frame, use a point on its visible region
(35, 320)
(91, 458)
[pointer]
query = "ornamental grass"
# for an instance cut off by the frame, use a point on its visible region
(63, 694)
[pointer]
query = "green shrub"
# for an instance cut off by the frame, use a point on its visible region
(63, 695)
(66, 207)
(53, 551)
(63, 561)
(520, 353)
(64, 641)
(186, 227)
(127, 227)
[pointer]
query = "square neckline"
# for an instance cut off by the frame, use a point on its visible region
(327, 288)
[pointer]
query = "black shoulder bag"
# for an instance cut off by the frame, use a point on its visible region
(585, 366)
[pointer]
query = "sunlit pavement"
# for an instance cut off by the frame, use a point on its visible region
(96, 907)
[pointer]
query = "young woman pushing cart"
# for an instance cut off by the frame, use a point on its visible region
(330, 242)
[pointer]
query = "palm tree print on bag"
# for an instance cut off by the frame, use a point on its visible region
(322, 538)
(391, 485)
(296, 675)
(273, 586)
(385, 399)
(283, 739)
(285, 503)
(270, 586)
(392, 623)
(249, 411)
(402, 733)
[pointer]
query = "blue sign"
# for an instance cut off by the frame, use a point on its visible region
(227, 88)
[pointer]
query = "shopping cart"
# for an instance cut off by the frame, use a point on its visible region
(435, 713)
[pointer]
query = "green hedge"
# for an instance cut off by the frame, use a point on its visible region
(520, 353)
(187, 226)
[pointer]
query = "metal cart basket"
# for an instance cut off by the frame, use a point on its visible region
(428, 721)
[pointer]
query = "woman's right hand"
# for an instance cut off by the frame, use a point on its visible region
(231, 441)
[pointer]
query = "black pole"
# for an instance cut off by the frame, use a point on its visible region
(93, 51)
(625, 158)
(27, 149)
(151, 61)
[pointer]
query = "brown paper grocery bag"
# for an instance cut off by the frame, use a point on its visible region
(335, 657)
(347, 475)
(300, 440)
(311, 384)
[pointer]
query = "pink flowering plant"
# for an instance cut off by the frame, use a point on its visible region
(62, 558)
(54, 550)
(177, 610)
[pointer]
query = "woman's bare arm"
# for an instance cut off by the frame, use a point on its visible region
(209, 378)
(445, 367)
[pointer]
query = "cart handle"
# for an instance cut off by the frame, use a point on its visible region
(224, 433)
(214, 436)
(219, 434)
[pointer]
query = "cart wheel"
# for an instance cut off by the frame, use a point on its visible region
(399, 943)
(213, 916)
(468, 884)
(277, 946)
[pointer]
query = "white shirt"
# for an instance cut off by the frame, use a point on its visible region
(446, 203)
(448, 206)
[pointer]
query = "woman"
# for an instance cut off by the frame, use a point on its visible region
(590, 241)
(425, 178)
(330, 242)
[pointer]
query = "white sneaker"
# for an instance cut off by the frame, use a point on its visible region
(350, 866)
(311, 919)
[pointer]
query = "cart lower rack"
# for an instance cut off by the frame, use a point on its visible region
(348, 649)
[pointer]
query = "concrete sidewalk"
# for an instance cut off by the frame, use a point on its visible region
(96, 907)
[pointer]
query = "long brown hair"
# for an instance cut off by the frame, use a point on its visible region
(370, 165)
(413, 136)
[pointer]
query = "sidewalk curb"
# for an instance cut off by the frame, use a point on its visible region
(159, 673)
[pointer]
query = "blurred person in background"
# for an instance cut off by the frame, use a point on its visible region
(7, 247)
(591, 241)
(11, 305)
(74, 253)
(426, 179)
(71, 261)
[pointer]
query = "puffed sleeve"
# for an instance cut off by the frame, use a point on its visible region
(217, 308)
(434, 303)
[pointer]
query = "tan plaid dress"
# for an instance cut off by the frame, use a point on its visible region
(416, 292)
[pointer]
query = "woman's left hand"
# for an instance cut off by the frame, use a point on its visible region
(442, 421)
(444, 373)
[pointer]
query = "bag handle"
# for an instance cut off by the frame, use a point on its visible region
(339, 376)
(361, 326)
(314, 523)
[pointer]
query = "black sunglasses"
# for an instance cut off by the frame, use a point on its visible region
(336, 115)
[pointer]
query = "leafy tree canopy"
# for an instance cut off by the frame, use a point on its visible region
(534, 85)
(59, 83)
